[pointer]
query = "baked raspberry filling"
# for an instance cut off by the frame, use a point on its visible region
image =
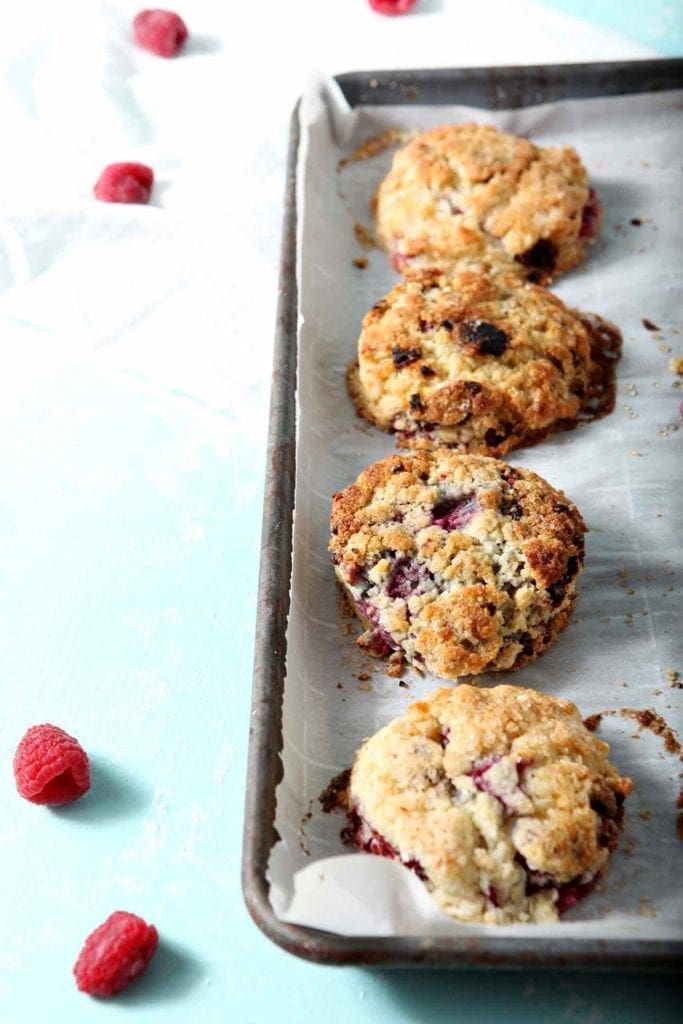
(406, 578)
(353, 573)
(455, 513)
(590, 216)
(568, 893)
(508, 790)
(378, 641)
(478, 775)
(572, 893)
(609, 826)
(366, 838)
(398, 259)
(493, 896)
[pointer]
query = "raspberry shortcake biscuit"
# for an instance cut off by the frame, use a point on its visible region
(500, 800)
(534, 203)
(474, 361)
(460, 562)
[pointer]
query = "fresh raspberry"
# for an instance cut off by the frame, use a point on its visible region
(161, 32)
(124, 183)
(392, 6)
(115, 954)
(51, 767)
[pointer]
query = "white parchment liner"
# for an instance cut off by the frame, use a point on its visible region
(621, 471)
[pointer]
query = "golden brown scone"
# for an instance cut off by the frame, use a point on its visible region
(533, 203)
(500, 800)
(463, 563)
(479, 362)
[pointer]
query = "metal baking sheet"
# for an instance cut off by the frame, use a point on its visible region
(493, 88)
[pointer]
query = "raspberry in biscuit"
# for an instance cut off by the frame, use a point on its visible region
(533, 203)
(481, 362)
(500, 800)
(460, 562)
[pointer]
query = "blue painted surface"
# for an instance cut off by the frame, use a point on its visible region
(658, 23)
(129, 543)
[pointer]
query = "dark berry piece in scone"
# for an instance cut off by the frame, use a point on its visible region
(460, 562)
(533, 203)
(500, 800)
(479, 362)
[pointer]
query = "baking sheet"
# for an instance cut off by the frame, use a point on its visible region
(620, 471)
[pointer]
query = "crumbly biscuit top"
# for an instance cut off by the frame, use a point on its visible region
(449, 350)
(517, 194)
(464, 561)
(498, 798)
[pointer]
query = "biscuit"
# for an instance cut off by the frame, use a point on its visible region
(500, 800)
(532, 203)
(479, 362)
(462, 563)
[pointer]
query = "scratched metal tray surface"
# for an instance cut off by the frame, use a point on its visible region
(491, 88)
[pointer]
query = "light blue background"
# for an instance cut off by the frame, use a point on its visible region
(156, 672)
(658, 23)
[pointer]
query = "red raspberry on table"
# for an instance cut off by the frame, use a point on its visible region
(51, 767)
(124, 183)
(116, 953)
(161, 32)
(392, 6)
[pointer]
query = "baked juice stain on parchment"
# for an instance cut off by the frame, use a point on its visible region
(364, 237)
(649, 719)
(335, 795)
(605, 348)
(303, 829)
(368, 148)
(376, 144)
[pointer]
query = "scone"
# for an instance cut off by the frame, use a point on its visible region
(460, 562)
(475, 361)
(534, 203)
(500, 800)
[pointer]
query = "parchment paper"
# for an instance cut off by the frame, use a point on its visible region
(621, 471)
